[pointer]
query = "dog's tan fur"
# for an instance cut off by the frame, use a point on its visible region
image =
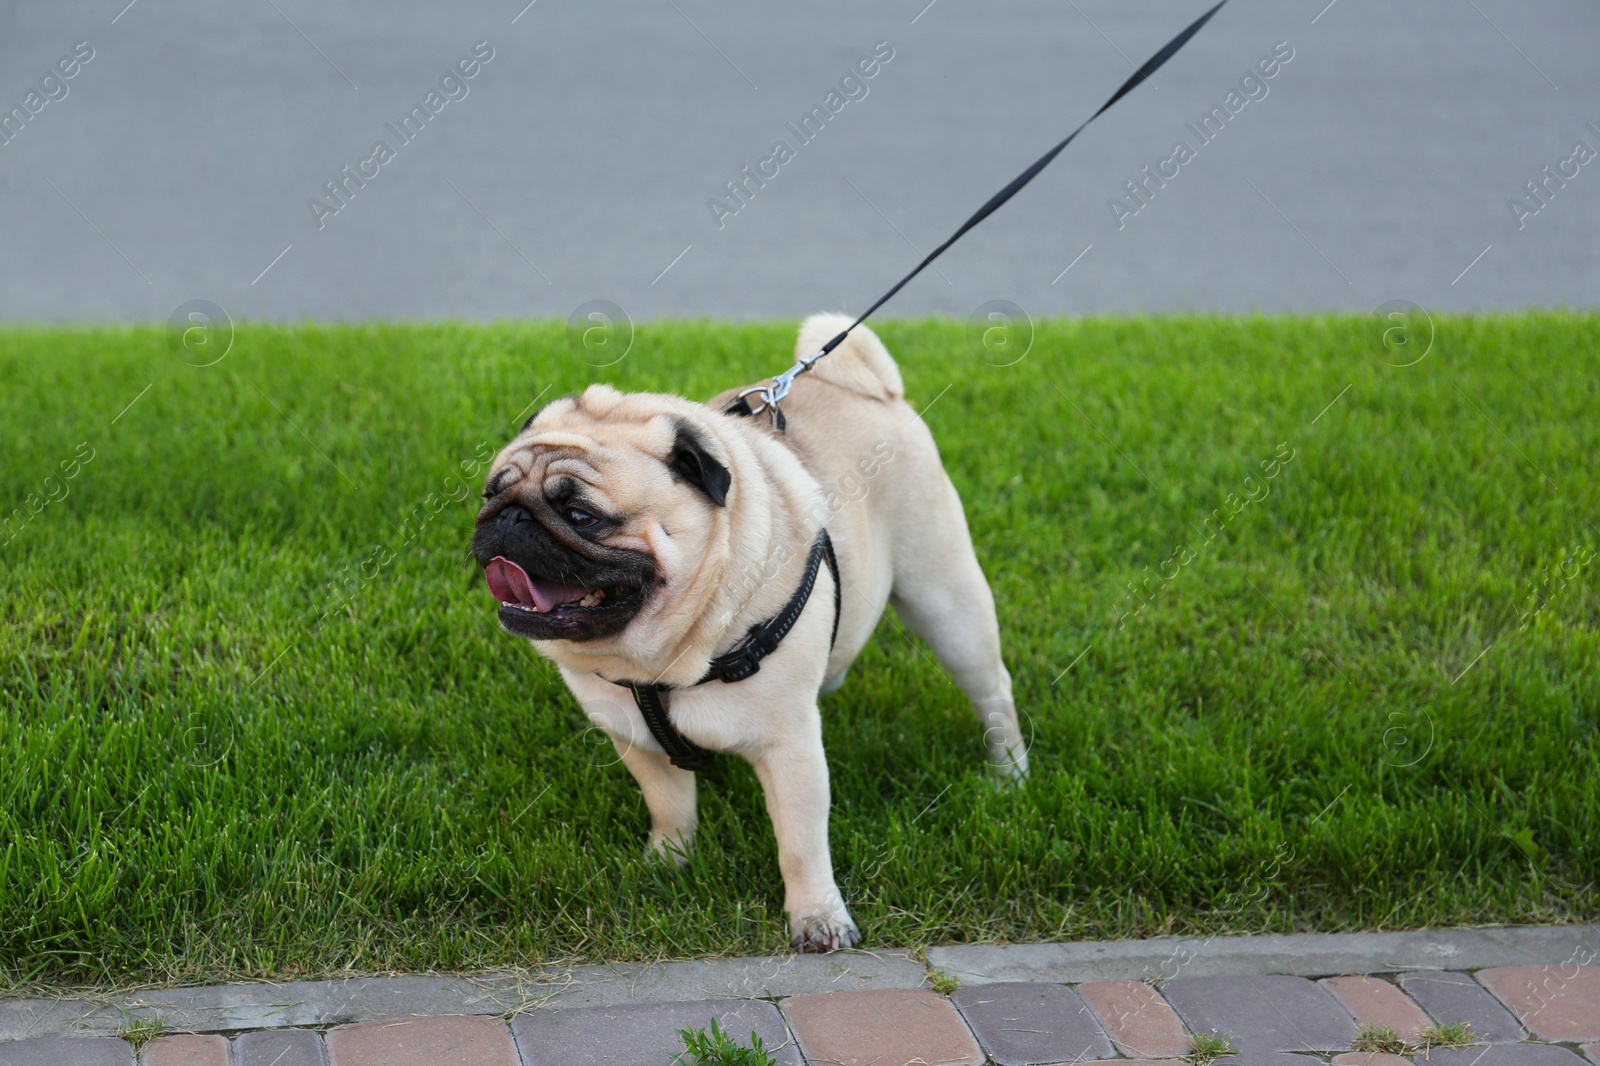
(858, 459)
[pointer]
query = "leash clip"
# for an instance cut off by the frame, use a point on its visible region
(781, 383)
(772, 394)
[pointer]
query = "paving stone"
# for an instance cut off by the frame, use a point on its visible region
(1370, 1058)
(1137, 1019)
(279, 1047)
(243, 1007)
(1375, 1001)
(1142, 1062)
(644, 1033)
(185, 1051)
(448, 1041)
(1593, 1051)
(227, 1008)
(1023, 1022)
(1554, 1002)
(1309, 955)
(1501, 1055)
(769, 977)
(893, 1027)
(1456, 997)
(1262, 1015)
(246, 1007)
(1268, 1058)
(66, 1051)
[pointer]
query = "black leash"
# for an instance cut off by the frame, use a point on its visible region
(762, 640)
(742, 662)
(771, 395)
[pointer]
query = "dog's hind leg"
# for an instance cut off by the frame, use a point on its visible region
(941, 594)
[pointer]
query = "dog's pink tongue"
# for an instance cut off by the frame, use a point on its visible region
(511, 584)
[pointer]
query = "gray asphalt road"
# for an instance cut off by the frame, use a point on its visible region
(583, 157)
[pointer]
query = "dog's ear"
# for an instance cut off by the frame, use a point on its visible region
(691, 462)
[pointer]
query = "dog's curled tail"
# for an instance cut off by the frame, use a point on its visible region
(861, 364)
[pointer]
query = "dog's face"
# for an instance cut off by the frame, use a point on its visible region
(599, 506)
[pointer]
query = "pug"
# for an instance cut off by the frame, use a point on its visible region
(643, 541)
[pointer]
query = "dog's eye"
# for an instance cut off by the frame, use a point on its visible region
(578, 518)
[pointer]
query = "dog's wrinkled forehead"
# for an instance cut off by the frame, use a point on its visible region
(627, 444)
(570, 436)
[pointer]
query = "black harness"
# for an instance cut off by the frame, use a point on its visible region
(742, 662)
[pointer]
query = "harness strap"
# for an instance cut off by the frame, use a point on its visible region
(838, 586)
(684, 753)
(742, 662)
(745, 659)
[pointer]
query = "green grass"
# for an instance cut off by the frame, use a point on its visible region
(717, 1048)
(1449, 1035)
(139, 1031)
(256, 722)
(1375, 1039)
(1206, 1048)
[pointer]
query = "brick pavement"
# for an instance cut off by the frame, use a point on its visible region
(1545, 1015)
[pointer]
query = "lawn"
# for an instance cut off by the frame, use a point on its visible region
(257, 719)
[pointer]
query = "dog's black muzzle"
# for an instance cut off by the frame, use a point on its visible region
(559, 573)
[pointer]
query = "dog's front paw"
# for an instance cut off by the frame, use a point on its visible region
(1009, 766)
(674, 848)
(823, 932)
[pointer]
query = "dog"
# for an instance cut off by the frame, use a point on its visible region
(636, 538)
